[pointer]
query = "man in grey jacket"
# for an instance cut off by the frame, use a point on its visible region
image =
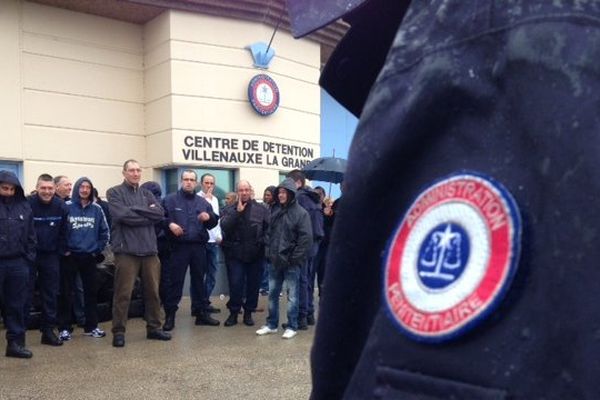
(288, 242)
(134, 212)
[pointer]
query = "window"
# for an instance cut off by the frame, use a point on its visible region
(17, 168)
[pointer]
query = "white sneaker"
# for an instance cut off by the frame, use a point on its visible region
(97, 333)
(265, 330)
(64, 335)
(289, 333)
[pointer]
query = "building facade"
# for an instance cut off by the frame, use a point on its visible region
(80, 93)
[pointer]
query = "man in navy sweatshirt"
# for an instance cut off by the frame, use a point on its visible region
(87, 237)
(50, 221)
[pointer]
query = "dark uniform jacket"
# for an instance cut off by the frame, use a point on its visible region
(134, 211)
(311, 202)
(183, 209)
(510, 90)
(50, 221)
(244, 232)
(289, 236)
(17, 232)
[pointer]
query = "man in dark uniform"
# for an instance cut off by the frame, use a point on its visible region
(50, 221)
(478, 140)
(188, 218)
(17, 252)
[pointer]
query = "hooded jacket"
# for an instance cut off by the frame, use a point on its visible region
(50, 221)
(289, 236)
(17, 233)
(134, 212)
(87, 229)
(156, 190)
(311, 202)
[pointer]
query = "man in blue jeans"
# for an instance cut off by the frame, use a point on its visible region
(288, 243)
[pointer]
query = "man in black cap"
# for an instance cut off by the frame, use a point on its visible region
(17, 252)
(478, 139)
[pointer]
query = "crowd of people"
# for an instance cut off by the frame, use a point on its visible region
(54, 239)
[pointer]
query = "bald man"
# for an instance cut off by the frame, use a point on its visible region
(244, 224)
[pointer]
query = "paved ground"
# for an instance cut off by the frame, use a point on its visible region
(200, 362)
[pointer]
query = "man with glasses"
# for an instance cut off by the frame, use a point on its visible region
(188, 218)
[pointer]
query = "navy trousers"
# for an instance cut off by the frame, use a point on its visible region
(182, 255)
(14, 278)
(46, 272)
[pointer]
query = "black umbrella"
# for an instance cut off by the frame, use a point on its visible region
(326, 169)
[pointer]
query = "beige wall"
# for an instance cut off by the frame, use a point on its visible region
(197, 75)
(84, 93)
(10, 84)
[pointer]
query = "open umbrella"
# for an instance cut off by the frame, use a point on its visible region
(326, 169)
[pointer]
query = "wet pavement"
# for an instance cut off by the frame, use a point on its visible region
(199, 362)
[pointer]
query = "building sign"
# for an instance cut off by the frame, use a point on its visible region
(242, 151)
(263, 94)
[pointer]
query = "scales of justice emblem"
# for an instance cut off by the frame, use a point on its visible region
(452, 258)
(443, 255)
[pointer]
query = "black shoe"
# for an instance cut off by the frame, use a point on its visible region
(212, 310)
(17, 350)
(206, 319)
(169, 322)
(300, 328)
(118, 340)
(248, 321)
(158, 335)
(302, 324)
(310, 319)
(232, 319)
(50, 338)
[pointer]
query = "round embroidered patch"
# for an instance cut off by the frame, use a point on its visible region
(452, 258)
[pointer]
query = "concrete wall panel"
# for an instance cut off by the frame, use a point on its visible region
(81, 28)
(74, 77)
(195, 113)
(10, 84)
(73, 112)
(74, 146)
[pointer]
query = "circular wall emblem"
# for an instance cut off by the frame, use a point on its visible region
(452, 258)
(263, 94)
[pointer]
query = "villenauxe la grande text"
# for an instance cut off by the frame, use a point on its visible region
(255, 152)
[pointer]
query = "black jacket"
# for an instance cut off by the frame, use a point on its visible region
(244, 232)
(50, 221)
(183, 209)
(311, 202)
(17, 232)
(289, 236)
